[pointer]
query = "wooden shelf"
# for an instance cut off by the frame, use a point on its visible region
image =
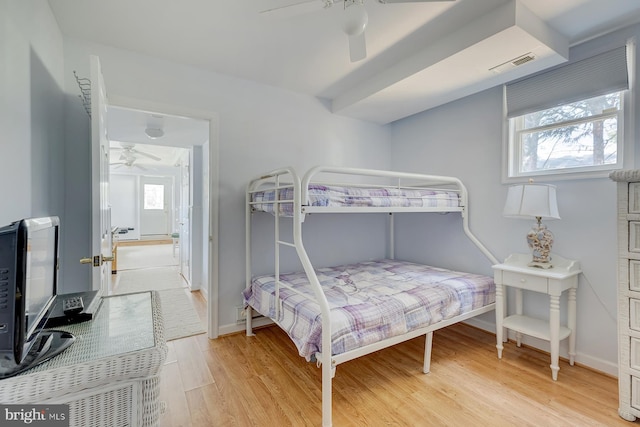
(533, 327)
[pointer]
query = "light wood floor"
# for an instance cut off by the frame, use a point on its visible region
(261, 381)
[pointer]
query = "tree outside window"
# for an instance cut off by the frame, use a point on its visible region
(582, 135)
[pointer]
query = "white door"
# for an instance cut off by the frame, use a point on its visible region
(100, 209)
(184, 220)
(156, 205)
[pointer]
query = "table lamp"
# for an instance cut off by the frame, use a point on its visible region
(534, 201)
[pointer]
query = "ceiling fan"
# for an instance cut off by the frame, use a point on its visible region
(128, 164)
(129, 152)
(355, 20)
(129, 155)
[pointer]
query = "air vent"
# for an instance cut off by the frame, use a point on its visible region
(523, 59)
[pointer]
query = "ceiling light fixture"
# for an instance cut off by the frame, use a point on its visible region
(154, 133)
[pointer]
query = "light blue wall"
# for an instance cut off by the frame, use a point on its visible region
(77, 185)
(47, 139)
(31, 113)
(464, 139)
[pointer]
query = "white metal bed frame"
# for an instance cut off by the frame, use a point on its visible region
(284, 178)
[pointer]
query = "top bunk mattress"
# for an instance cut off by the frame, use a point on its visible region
(369, 301)
(345, 196)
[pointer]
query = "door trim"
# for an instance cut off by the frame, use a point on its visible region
(212, 286)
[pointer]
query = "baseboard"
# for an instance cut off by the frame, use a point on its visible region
(482, 324)
(234, 328)
(204, 291)
(593, 363)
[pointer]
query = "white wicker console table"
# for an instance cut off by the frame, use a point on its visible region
(110, 375)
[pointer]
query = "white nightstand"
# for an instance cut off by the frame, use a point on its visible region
(563, 276)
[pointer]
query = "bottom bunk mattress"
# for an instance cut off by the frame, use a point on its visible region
(369, 301)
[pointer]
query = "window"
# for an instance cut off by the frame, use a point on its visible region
(581, 135)
(153, 196)
(570, 119)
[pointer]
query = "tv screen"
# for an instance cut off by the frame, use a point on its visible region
(28, 287)
(41, 258)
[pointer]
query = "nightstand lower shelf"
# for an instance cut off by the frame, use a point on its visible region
(533, 327)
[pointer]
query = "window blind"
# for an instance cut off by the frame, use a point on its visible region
(588, 78)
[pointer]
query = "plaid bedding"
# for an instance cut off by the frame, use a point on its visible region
(322, 195)
(369, 301)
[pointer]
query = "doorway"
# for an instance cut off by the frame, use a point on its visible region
(144, 202)
(178, 221)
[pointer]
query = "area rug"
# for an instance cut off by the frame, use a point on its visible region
(148, 279)
(180, 316)
(146, 256)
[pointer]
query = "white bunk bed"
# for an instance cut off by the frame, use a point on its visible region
(311, 306)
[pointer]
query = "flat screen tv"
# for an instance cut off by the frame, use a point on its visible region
(29, 261)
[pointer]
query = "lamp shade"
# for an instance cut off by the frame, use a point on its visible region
(531, 201)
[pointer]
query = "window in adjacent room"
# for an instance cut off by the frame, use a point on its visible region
(153, 196)
(569, 120)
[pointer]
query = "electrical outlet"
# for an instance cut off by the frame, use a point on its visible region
(241, 314)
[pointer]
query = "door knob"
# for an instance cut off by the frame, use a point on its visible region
(97, 260)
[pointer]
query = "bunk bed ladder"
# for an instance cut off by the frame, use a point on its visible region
(325, 359)
(391, 246)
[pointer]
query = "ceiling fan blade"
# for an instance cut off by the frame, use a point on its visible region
(357, 47)
(295, 9)
(151, 156)
(412, 1)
